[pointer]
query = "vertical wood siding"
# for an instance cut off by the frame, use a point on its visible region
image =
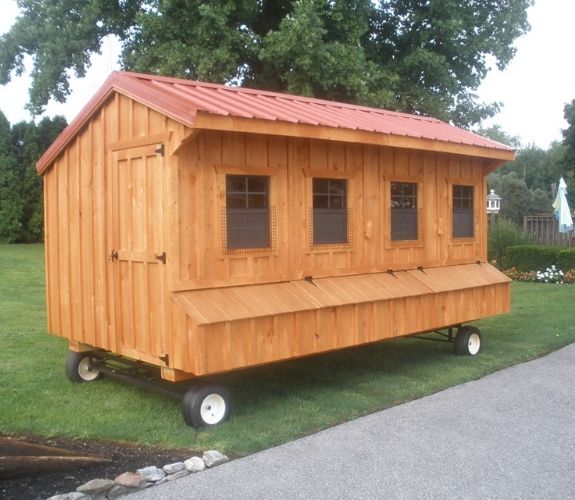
(83, 284)
(291, 164)
(225, 346)
(109, 190)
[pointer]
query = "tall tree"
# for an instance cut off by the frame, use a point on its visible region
(567, 162)
(426, 56)
(21, 205)
(10, 206)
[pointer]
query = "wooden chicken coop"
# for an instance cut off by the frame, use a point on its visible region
(199, 228)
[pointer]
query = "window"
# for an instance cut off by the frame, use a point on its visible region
(404, 211)
(330, 215)
(462, 217)
(247, 211)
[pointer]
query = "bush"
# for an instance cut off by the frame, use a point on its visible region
(503, 233)
(527, 258)
(550, 275)
(566, 259)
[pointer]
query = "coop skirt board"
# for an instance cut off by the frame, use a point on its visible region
(223, 329)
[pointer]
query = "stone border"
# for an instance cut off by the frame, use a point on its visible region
(130, 482)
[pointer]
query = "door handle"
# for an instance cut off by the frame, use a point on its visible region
(113, 255)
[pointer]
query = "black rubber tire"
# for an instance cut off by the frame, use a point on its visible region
(78, 367)
(206, 406)
(468, 341)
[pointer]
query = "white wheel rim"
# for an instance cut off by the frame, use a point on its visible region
(85, 372)
(213, 409)
(474, 344)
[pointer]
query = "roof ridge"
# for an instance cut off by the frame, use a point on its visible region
(271, 93)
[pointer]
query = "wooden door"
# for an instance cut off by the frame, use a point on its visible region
(138, 256)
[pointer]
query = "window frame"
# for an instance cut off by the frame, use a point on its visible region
(474, 215)
(349, 177)
(250, 196)
(222, 171)
(418, 181)
(322, 237)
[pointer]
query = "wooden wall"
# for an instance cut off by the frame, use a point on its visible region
(83, 283)
(230, 345)
(291, 163)
(113, 189)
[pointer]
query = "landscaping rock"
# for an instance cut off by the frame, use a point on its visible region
(96, 487)
(178, 475)
(130, 479)
(119, 491)
(195, 464)
(152, 473)
(75, 495)
(213, 457)
(173, 468)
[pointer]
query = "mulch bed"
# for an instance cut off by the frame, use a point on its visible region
(124, 457)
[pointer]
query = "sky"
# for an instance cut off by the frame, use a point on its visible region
(533, 89)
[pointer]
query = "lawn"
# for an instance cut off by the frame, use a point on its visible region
(272, 404)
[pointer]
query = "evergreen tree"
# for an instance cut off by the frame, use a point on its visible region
(21, 204)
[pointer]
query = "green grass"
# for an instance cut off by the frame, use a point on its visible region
(271, 404)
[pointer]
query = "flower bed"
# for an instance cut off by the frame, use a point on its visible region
(549, 275)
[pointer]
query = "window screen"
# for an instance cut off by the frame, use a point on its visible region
(330, 215)
(462, 217)
(247, 211)
(404, 211)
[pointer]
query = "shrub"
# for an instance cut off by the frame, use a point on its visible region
(550, 275)
(530, 257)
(503, 233)
(566, 259)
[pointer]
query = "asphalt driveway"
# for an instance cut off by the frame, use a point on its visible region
(510, 435)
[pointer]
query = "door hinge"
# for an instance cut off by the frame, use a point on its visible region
(162, 257)
(160, 150)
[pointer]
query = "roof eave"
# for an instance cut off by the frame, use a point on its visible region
(76, 124)
(116, 82)
(207, 121)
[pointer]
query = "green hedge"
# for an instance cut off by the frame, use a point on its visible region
(527, 258)
(566, 259)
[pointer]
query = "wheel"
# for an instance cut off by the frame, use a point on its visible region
(79, 367)
(467, 341)
(206, 406)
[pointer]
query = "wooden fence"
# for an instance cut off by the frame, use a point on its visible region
(544, 230)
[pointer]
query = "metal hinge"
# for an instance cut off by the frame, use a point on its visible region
(160, 150)
(162, 257)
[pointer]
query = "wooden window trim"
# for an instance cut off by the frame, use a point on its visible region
(389, 242)
(456, 240)
(311, 174)
(273, 192)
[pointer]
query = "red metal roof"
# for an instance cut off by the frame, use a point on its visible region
(182, 100)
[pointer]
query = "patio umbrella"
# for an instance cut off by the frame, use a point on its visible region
(561, 208)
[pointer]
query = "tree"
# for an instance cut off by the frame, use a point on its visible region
(21, 205)
(426, 56)
(567, 162)
(517, 199)
(497, 133)
(10, 206)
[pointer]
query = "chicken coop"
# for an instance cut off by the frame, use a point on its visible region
(194, 229)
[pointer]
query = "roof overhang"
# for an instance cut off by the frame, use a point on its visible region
(177, 105)
(205, 121)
